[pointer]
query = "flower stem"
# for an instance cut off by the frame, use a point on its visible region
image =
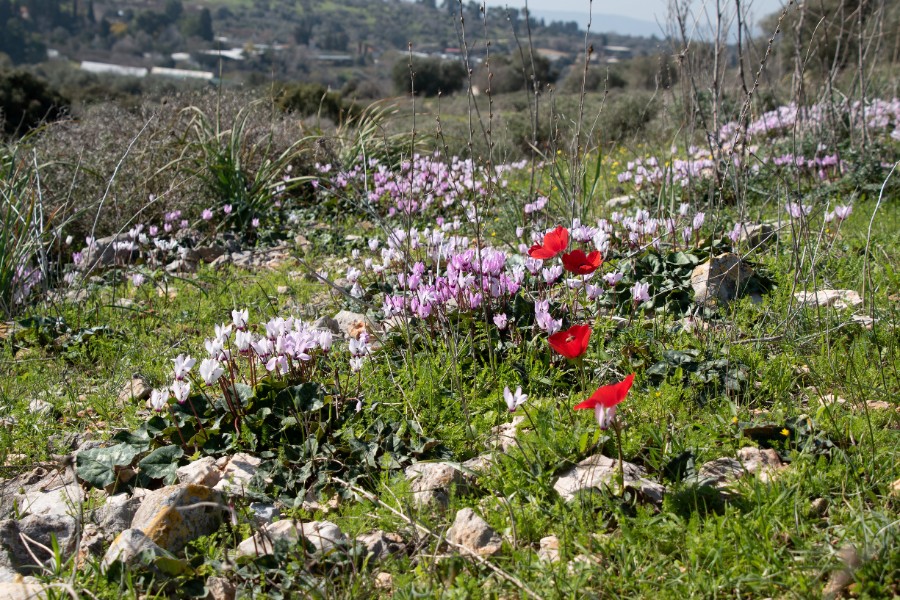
(617, 428)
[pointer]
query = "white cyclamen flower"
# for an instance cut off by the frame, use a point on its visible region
(514, 400)
(210, 371)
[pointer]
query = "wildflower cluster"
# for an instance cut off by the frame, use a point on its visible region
(240, 354)
(418, 185)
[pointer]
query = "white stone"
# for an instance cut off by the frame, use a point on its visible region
(323, 535)
(129, 546)
(431, 482)
(719, 278)
(598, 472)
(836, 298)
(472, 532)
(549, 551)
(237, 474)
(200, 472)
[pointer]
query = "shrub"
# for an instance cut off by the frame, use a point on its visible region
(26, 102)
(597, 79)
(309, 99)
(433, 76)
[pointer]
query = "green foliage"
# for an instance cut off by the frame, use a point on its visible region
(427, 76)
(27, 101)
(596, 79)
(313, 99)
(308, 434)
(240, 167)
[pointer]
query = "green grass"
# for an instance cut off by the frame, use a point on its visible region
(762, 541)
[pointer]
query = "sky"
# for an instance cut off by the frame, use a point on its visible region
(645, 10)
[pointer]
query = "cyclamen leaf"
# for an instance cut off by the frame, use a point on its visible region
(162, 463)
(97, 466)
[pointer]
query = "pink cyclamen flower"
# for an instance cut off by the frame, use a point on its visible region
(640, 292)
(254, 222)
(206, 215)
(612, 279)
(226, 209)
(500, 320)
(137, 279)
(842, 212)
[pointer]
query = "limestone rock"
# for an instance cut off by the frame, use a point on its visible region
(836, 298)
(471, 531)
(843, 577)
(55, 494)
(549, 551)
(136, 388)
(202, 471)
(719, 278)
(181, 265)
(352, 324)
(479, 464)
(177, 514)
(758, 235)
(236, 475)
(116, 514)
(763, 462)
(721, 471)
(619, 201)
(380, 544)
(21, 541)
(205, 254)
(129, 547)
(818, 507)
(504, 436)
(264, 513)
(323, 535)
(219, 588)
(40, 407)
(431, 482)
(36, 481)
(107, 252)
(327, 324)
(598, 471)
(384, 581)
(12, 590)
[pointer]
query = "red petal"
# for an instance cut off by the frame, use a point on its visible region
(572, 342)
(557, 240)
(610, 395)
(538, 251)
(585, 405)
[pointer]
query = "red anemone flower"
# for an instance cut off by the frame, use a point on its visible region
(579, 263)
(554, 242)
(605, 399)
(572, 342)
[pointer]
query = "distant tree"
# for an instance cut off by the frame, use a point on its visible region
(428, 3)
(173, 10)
(206, 26)
(21, 45)
(198, 25)
(431, 76)
(507, 73)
